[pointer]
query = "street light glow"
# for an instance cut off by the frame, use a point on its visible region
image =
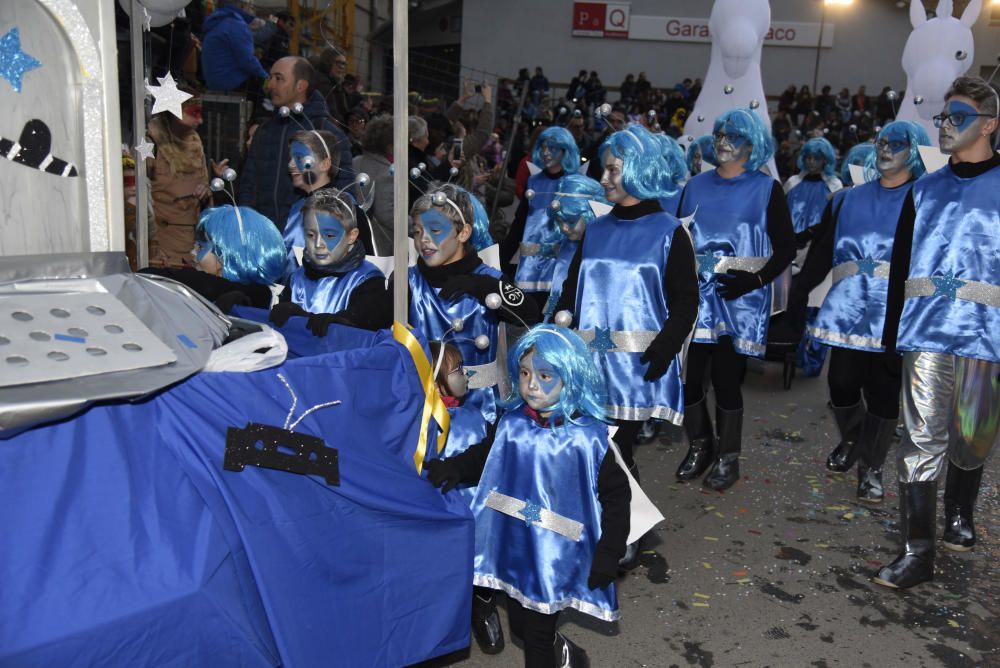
(851, 2)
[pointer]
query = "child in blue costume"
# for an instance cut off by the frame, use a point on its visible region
(856, 243)
(677, 170)
(531, 234)
(743, 238)
(809, 191)
(701, 150)
(336, 284)
(571, 212)
(450, 283)
(552, 505)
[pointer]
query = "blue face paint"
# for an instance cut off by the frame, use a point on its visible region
(547, 376)
(893, 138)
(203, 248)
(437, 226)
(731, 135)
(325, 235)
(539, 384)
(960, 114)
(302, 157)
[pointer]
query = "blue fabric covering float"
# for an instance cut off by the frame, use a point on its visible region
(128, 544)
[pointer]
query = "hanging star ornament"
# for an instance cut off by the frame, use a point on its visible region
(144, 149)
(13, 61)
(166, 96)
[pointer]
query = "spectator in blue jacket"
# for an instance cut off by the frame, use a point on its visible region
(265, 183)
(227, 59)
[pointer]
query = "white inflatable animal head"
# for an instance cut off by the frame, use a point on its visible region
(738, 28)
(938, 51)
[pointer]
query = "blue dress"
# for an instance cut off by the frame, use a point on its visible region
(806, 200)
(541, 240)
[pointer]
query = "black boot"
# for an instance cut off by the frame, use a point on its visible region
(631, 559)
(849, 421)
(917, 507)
(726, 467)
(569, 654)
(486, 627)
(701, 442)
(960, 492)
(876, 439)
(650, 432)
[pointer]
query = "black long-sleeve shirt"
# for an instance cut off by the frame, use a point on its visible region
(902, 247)
(369, 306)
(515, 233)
(213, 287)
(680, 282)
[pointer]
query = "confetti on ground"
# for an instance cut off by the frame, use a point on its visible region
(740, 574)
(744, 581)
(701, 605)
(707, 508)
(649, 551)
(711, 538)
(704, 596)
(823, 545)
(848, 516)
(838, 507)
(754, 532)
(718, 514)
(741, 510)
(706, 565)
(951, 622)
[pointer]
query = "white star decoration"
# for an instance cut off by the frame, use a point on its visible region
(147, 20)
(166, 96)
(144, 149)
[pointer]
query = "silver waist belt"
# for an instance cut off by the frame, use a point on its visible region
(954, 288)
(531, 513)
(720, 264)
(483, 375)
(528, 249)
(869, 267)
(617, 342)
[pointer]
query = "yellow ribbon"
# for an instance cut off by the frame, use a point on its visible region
(433, 405)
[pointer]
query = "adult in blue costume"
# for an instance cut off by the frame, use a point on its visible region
(857, 155)
(743, 238)
(450, 285)
(677, 170)
(311, 169)
(335, 284)
(531, 234)
(855, 241)
(570, 211)
(552, 505)
(700, 151)
(943, 314)
(809, 191)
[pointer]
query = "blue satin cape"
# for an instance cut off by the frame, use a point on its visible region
(556, 469)
(329, 294)
(534, 272)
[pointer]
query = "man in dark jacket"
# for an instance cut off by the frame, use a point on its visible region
(227, 59)
(265, 183)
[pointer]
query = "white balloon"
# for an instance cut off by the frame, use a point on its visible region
(157, 17)
(164, 6)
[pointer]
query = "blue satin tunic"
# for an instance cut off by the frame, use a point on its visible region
(432, 316)
(853, 313)
(563, 259)
(556, 470)
(806, 201)
(730, 219)
(534, 271)
(329, 294)
(669, 204)
(620, 290)
(468, 427)
(956, 238)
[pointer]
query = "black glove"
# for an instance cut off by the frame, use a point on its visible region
(443, 473)
(282, 311)
(603, 571)
(477, 285)
(657, 365)
(227, 300)
(319, 323)
(803, 238)
(736, 283)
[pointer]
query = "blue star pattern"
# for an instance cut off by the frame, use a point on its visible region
(867, 265)
(532, 512)
(13, 61)
(946, 285)
(707, 263)
(469, 373)
(548, 249)
(601, 343)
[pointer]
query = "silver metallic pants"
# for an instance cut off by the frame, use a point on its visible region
(951, 405)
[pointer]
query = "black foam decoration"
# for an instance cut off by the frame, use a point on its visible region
(270, 447)
(33, 149)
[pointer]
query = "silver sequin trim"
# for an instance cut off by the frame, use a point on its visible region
(972, 291)
(508, 505)
(625, 342)
(643, 413)
(741, 345)
(529, 249)
(854, 340)
(545, 608)
(729, 263)
(486, 375)
(846, 269)
(535, 286)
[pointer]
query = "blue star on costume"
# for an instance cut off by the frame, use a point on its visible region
(867, 265)
(946, 285)
(602, 342)
(707, 263)
(469, 373)
(13, 61)
(548, 249)
(532, 512)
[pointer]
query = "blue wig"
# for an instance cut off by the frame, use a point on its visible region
(573, 194)
(461, 202)
(822, 149)
(258, 257)
(558, 139)
(645, 173)
(583, 385)
(858, 155)
(674, 156)
(746, 123)
(706, 145)
(909, 132)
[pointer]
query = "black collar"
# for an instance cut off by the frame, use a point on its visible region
(555, 177)
(969, 170)
(812, 177)
(643, 208)
(436, 276)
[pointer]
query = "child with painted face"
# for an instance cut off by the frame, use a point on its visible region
(336, 284)
(809, 191)
(531, 235)
(943, 314)
(552, 503)
(311, 169)
(744, 239)
(855, 242)
(450, 282)
(701, 150)
(570, 210)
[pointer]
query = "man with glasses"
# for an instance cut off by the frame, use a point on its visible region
(943, 314)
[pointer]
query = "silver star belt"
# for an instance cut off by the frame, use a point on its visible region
(528, 249)
(724, 263)
(970, 291)
(483, 375)
(547, 519)
(847, 269)
(635, 341)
